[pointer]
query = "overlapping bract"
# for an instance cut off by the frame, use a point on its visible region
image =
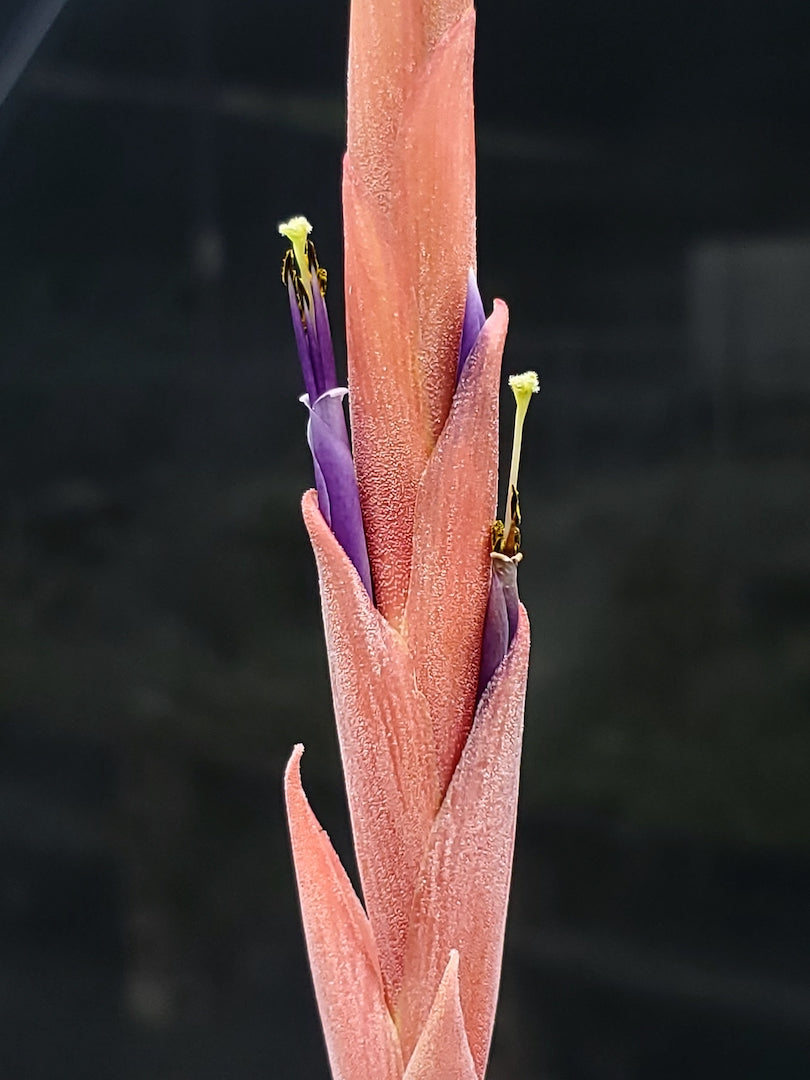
(458, 894)
(434, 856)
(409, 220)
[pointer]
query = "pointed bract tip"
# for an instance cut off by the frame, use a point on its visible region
(443, 1048)
(293, 764)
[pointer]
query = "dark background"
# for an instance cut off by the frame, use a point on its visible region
(644, 206)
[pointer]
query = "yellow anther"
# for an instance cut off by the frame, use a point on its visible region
(523, 386)
(297, 231)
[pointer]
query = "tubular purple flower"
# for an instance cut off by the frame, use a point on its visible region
(503, 603)
(327, 434)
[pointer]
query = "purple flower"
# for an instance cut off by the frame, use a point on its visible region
(327, 434)
(501, 619)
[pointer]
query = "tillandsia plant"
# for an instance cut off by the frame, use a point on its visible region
(428, 643)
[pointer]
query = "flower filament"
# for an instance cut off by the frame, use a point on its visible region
(505, 535)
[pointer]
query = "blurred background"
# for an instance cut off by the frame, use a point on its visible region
(644, 206)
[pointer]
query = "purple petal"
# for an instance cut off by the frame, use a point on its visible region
(303, 343)
(474, 319)
(495, 639)
(500, 621)
(324, 355)
(506, 570)
(321, 488)
(335, 477)
(313, 339)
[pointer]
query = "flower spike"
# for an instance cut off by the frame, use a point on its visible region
(429, 672)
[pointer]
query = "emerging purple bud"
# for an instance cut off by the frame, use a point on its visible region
(474, 319)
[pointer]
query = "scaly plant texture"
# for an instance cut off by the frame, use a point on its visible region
(428, 643)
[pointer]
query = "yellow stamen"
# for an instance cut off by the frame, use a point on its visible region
(523, 386)
(297, 231)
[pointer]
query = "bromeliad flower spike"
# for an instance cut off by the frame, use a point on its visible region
(428, 643)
